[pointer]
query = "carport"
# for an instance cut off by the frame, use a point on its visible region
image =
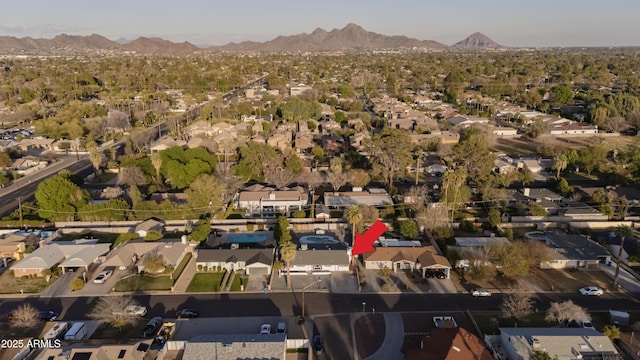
(434, 262)
(85, 257)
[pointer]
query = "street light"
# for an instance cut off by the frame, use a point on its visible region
(303, 289)
(363, 305)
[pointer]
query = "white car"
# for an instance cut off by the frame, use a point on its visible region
(265, 329)
(480, 292)
(591, 291)
(133, 310)
(102, 277)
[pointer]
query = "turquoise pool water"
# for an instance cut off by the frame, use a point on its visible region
(537, 235)
(318, 239)
(247, 238)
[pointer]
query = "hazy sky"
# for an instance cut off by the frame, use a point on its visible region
(217, 22)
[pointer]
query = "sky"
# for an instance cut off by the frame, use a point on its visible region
(517, 23)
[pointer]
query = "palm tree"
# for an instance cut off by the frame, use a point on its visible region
(156, 161)
(287, 253)
(95, 156)
(353, 215)
(624, 231)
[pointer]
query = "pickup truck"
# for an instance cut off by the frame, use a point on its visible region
(132, 310)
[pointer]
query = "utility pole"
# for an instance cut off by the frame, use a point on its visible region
(20, 211)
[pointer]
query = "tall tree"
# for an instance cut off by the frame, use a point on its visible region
(95, 155)
(110, 309)
(565, 312)
(288, 252)
(205, 194)
(390, 152)
(156, 161)
(336, 179)
(59, 198)
(624, 231)
(353, 215)
(517, 303)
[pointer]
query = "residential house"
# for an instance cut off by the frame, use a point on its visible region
(574, 252)
(333, 144)
(470, 248)
(318, 261)
(303, 141)
(35, 143)
(504, 131)
(174, 198)
(166, 143)
(322, 212)
(260, 200)
(234, 347)
(67, 255)
(454, 343)
(573, 128)
(28, 164)
(201, 128)
(206, 143)
(328, 126)
(406, 258)
(444, 137)
(133, 351)
(357, 140)
(280, 141)
(582, 212)
(144, 227)
(559, 343)
(251, 261)
(503, 166)
(6, 145)
(13, 246)
(131, 253)
(298, 90)
(376, 197)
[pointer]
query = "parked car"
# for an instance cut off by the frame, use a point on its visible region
(281, 328)
(265, 329)
(440, 274)
(8, 260)
(102, 277)
(585, 323)
(591, 291)
(48, 315)
(152, 327)
(187, 313)
(480, 292)
(318, 345)
(132, 310)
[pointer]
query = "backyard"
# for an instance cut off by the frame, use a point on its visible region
(206, 282)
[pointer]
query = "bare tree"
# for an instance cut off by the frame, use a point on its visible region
(518, 303)
(153, 261)
(132, 175)
(25, 317)
(416, 197)
(433, 216)
(110, 309)
(225, 176)
(278, 175)
(565, 312)
(336, 179)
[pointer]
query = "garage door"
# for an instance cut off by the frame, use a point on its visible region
(258, 271)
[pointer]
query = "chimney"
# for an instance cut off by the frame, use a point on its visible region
(535, 343)
(272, 195)
(526, 191)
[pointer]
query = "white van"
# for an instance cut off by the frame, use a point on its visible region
(586, 324)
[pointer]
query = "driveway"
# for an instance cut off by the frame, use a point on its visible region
(344, 283)
(60, 287)
(91, 289)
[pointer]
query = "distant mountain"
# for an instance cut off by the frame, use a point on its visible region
(477, 41)
(160, 46)
(61, 41)
(351, 37)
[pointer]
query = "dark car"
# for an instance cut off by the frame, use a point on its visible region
(48, 315)
(152, 327)
(318, 345)
(187, 314)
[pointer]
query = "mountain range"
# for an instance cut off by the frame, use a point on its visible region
(350, 38)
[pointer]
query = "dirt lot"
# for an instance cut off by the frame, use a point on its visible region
(545, 280)
(555, 144)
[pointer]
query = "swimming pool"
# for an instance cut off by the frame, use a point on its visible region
(248, 238)
(318, 239)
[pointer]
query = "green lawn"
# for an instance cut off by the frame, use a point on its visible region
(237, 281)
(104, 177)
(145, 283)
(206, 282)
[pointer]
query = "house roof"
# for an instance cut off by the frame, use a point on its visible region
(451, 344)
(124, 254)
(249, 256)
(176, 198)
(149, 225)
(233, 347)
(561, 342)
(574, 247)
(43, 257)
(475, 241)
(86, 256)
(426, 255)
(52, 254)
(259, 192)
(320, 257)
(344, 199)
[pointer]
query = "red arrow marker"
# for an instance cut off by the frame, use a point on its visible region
(364, 243)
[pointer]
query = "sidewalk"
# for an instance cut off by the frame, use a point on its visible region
(180, 287)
